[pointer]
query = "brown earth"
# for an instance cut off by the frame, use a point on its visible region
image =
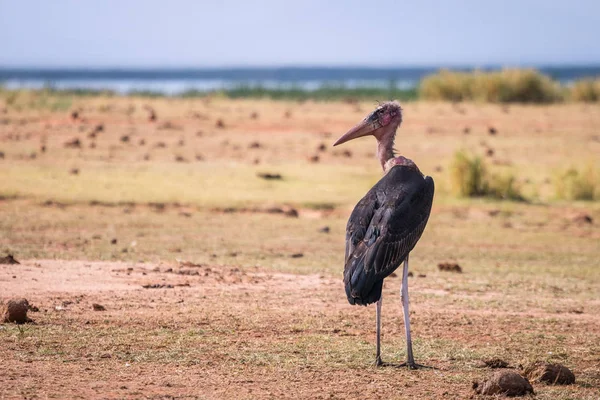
(166, 267)
(244, 333)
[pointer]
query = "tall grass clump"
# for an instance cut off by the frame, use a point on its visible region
(586, 90)
(468, 175)
(506, 86)
(578, 184)
(470, 178)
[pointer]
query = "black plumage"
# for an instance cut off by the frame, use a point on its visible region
(383, 228)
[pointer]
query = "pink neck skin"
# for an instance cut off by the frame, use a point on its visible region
(385, 152)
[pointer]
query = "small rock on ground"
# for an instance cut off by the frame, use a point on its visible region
(16, 311)
(554, 374)
(505, 382)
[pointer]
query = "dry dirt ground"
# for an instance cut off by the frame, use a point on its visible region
(260, 311)
(230, 332)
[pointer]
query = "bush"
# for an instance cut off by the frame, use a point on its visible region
(578, 184)
(470, 178)
(509, 85)
(587, 90)
(468, 175)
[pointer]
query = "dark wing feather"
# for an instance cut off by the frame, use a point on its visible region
(383, 228)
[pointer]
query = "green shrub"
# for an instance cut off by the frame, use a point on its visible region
(578, 184)
(468, 175)
(470, 178)
(508, 85)
(587, 90)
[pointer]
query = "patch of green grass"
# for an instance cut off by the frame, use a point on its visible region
(578, 184)
(470, 178)
(506, 86)
(586, 90)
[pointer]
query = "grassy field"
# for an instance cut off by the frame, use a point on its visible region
(99, 205)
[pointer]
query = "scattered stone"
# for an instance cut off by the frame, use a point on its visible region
(188, 272)
(288, 114)
(98, 307)
(583, 219)
(168, 125)
(73, 143)
(199, 157)
(220, 123)
(142, 142)
(158, 286)
(314, 159)
(74, 171)
(297, 255)
(16, 311)
(322, 147)
(181, 142)
(254, 115)
(151, 113)
(43, 149)
(9, 259)
(75, 115)
(467, 130)
(269, 176)
(450, 267)
(324, 229)
(489, 152)
(492, 363)
(504, 382)
(125, 138)
(180, 159)
(410, 274)
(255, 145)
(1, 155)
(492, 131)
(347, 153)
(421, 276)
(189, 264)
(553, 374)
(113, 241)
(292, 212)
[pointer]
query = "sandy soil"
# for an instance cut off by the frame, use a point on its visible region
(203, 338)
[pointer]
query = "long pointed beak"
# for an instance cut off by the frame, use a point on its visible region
(363, 129)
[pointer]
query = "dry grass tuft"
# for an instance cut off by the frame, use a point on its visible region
(509, 85)
(578, 184)
(470, 178)
(586, 90)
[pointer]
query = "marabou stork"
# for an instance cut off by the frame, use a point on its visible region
(387, 223)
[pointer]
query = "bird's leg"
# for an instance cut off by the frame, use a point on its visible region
(410, 360)
(404, 297)
(378, 361)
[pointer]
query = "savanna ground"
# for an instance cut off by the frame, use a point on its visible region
(260, 311)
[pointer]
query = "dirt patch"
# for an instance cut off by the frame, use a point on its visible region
(504, 382)
(554, 374)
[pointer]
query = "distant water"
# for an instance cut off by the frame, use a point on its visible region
(174, 81)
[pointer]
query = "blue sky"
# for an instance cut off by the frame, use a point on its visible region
(187, 33)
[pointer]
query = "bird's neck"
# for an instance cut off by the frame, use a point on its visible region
(385, 149)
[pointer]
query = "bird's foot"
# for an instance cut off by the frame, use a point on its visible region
(378, 362)
(413, 365)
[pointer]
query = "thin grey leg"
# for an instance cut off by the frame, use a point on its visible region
(410, 361)
(378, 330)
